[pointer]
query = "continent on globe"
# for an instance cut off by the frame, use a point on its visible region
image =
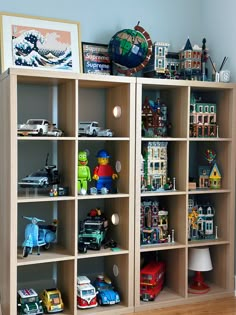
(130, 50)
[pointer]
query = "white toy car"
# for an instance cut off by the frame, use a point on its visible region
(38, 127)
(105, 133)
(88, 128)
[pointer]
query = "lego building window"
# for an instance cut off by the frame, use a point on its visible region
(200, 119)
(205, 119)
(208, 210)
(212, 119)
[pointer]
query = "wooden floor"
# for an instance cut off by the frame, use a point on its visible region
(225, 306)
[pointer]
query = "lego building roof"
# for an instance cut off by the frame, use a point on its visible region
(188, 45)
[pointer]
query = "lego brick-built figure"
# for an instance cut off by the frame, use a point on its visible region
(103, 173)
(84, 174)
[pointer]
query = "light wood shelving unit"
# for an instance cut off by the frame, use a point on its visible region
(184, 155)
(65, 98)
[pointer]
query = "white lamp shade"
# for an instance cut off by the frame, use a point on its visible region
(199, 259)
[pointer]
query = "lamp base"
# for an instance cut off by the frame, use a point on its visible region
(198, 286)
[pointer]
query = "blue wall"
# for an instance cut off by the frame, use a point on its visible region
(171, 21)
(219, 24)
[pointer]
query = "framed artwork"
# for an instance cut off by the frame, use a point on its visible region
(96, 59)
(39, 43)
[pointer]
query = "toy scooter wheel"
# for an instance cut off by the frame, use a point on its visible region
(46, 246)
(26, 251)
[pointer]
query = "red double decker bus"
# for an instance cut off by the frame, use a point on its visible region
(151, 280)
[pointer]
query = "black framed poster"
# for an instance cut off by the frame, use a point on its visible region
(96, 59)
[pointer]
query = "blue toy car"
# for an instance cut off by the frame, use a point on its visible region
(106, 293)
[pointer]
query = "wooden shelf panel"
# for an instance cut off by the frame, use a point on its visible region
(159, 247)
(51, 255)
(102, 253)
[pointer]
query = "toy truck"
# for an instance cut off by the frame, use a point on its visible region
(28, 302)
(93, 230)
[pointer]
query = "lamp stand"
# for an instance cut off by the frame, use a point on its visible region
(198, 286)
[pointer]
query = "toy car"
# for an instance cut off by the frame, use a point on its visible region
(88, 128)
(93, 230)
(28, 302)
(38, 127)
(86, 293)
(106, 293)
(52, 301)
(55, 132)
(105, 133)
(41, 178)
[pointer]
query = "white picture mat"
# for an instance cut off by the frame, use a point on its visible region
(8, 21)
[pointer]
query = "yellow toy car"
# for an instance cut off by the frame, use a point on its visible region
(52, 301)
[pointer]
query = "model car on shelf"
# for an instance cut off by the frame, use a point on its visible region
(93, 230)
(106, 293)
(105, 133)
(88, 128)
(28, 302)
(91, 128)
(42, 178)
(52, 301)
(38, 127)
(86, 293)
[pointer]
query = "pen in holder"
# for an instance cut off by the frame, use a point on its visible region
(221, 75)
(217, 77)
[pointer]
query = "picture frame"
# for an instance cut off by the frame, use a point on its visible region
(95, 58)
(39, 43)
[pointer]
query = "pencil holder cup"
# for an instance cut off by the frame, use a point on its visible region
(224, 76)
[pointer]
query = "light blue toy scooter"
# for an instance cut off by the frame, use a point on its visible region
(38, 235)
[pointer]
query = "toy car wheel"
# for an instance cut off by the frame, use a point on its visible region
(26, 251)
(46, 246)
(99, 246)
(94, 133)
(44, 184)
(100, 301)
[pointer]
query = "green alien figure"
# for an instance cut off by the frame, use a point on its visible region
(83, 173)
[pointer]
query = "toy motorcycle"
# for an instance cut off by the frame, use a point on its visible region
(38, 235)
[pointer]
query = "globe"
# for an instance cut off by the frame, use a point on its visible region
(130, 49)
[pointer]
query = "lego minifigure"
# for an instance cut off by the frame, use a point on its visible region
(103, 173)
